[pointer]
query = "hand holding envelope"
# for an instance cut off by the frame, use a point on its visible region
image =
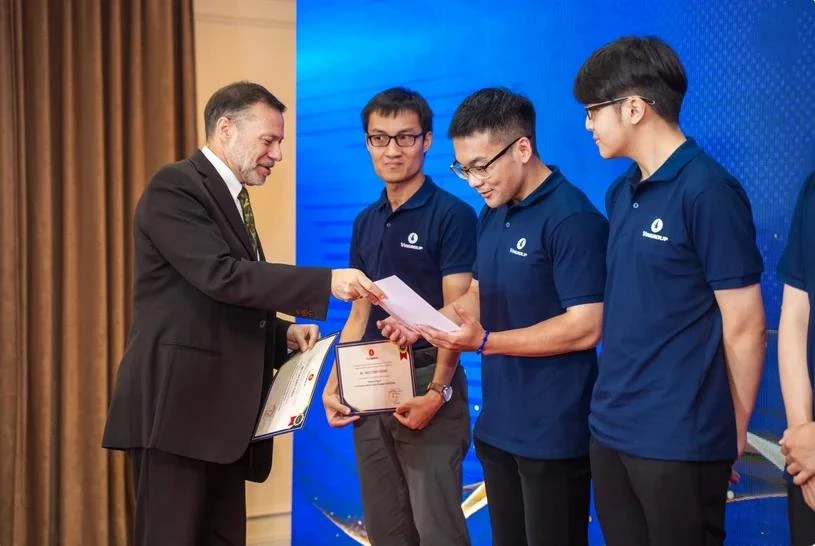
(408, 307)
(468, 337)
(412, 318)
(408, 310)
(352, 285)
(397, 332)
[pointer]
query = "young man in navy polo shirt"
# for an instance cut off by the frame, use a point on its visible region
(683, 328)
(796, 364)
(533, 311)
(409, 462)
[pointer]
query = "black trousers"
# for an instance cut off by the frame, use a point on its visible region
(801, 518)
(653, 502)
(536, 502)
(187, 502)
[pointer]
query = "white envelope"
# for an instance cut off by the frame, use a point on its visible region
(409, 308)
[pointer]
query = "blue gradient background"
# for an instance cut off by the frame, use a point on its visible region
(750, 104)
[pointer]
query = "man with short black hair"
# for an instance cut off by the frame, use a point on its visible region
(683, 327)
(409, 462)
(533, 311)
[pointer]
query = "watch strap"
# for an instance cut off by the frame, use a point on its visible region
(439, 388)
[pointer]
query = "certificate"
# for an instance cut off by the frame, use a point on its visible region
(374, 376)
(285, 407)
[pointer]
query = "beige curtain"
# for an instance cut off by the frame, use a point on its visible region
(94, 96)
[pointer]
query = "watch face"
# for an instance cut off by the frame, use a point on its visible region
(447, 393)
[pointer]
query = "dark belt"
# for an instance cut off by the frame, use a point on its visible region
(424, 357)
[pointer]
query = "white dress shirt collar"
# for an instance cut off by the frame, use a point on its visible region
(226, 173)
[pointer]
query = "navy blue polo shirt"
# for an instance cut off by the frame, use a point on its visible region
(535, 259)
(430, 236)
(797, 265)
(662, 390)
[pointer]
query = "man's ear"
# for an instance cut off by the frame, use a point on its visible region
(525, 149)
(224, 128)
(634, 110)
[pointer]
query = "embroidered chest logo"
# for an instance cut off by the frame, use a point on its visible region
(656, 227)
(412, 239)
(519, 246)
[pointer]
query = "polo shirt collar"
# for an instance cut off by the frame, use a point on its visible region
(669, 170)
(549, 184)
(418, 199)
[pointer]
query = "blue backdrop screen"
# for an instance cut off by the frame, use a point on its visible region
(750, 105)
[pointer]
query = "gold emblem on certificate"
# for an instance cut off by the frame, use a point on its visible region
(374, 376)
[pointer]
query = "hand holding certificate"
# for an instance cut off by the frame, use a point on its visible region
(290, 395)
(374, 377)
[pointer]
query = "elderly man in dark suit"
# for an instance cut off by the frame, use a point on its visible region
(204, 338)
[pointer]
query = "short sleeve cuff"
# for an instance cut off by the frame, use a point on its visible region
(792, 280)
(453, 269)
(735, 282)
(581, 300)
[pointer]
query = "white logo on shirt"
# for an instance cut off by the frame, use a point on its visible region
(519, 247)
(656, 227)
(413, 238)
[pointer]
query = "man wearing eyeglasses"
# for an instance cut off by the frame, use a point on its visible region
(683, 328)
(409, 462)
(533, 311)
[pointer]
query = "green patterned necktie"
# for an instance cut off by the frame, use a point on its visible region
(248, 218)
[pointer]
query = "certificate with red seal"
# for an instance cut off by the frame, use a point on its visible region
(374, 376)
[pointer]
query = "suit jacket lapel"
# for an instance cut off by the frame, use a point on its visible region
(219, 191)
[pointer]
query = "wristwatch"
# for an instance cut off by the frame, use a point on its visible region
(446, 391)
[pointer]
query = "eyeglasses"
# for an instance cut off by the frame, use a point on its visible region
(381, 140)
(481, 172)
(590, 109)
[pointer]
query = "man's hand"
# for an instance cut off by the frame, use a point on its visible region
(336, 413)
(735, 477)
(468, 338)
(352, 284)
(302, 336)
(399, 333)
(798, 447)
(417, 412)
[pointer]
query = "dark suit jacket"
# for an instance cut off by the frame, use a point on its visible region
(204, 337)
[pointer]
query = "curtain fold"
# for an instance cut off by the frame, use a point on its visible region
(95, 95)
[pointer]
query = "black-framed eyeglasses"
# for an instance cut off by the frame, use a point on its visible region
(403, 140)
(480, 172)
(591, 108)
